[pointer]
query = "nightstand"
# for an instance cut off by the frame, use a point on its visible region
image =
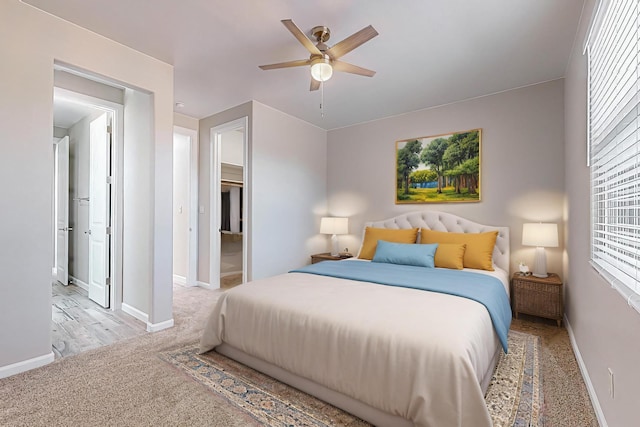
(326, 256)
(538, 296)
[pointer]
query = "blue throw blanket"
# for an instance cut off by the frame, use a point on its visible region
(486, 290)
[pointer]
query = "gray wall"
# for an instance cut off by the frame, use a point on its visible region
(137, 268)
(204, 179)
(26, 84)
(185, 121)
(522, 164)
(605, 328)
(287, 189)
(75, 83)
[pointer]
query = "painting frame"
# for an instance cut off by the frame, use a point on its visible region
(443, 168)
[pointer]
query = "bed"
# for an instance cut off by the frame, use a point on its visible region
(391, 355)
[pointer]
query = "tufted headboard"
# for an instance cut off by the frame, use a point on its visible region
(442, 221)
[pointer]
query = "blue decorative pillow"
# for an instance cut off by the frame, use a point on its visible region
(405, 253)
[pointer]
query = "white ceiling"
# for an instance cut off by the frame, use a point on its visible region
(428, 53)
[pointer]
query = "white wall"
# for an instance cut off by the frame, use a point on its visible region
(288, 187)
(521, 154)
(26, 127)
(180, 204)
(606, 329)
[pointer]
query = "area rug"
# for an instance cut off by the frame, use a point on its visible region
(514, 397)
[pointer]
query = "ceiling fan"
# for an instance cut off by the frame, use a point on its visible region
(324, 59)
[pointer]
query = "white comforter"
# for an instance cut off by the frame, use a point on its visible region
(412, 353)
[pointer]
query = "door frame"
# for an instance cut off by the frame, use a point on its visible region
(215, 215)
(192, 244)
(117, 186)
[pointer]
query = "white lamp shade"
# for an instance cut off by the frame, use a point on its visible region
(334, 225)
(321, 69)
(540, 235)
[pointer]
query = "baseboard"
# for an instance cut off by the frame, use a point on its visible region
(135, 312)
(155, 327)
(26, 365)
(79, 283)
(180, 280)
(204, 285)
(585, 375)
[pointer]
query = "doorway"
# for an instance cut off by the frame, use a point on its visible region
(185, 206)
(87, 130)
(229, 204)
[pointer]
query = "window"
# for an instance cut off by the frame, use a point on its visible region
(614, 145)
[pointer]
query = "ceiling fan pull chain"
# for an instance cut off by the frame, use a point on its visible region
(322, 100)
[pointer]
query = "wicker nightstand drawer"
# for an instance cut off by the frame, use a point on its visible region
(538, 296)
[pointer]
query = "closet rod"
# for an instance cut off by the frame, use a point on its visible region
(231, 183)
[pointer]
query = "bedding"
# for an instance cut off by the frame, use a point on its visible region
(415, 354)
(450, 255)
(372, 235)
(405, 254)
(479, 246)
(484, 289)
(392, 355)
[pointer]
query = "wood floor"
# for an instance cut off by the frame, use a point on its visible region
(80, 324)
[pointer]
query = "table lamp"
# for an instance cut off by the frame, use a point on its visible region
(540, 235)
(334, 226)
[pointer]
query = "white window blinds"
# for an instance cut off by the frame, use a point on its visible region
(614, 138)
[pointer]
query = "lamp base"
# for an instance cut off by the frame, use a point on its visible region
(540, 264)
(334, 246)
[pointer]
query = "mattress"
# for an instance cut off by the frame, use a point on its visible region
(417, 355)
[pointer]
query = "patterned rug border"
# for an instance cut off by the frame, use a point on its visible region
(514, 396)
(517, 382)
(234, 385)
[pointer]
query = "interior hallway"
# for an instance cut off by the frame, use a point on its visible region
(79, 324)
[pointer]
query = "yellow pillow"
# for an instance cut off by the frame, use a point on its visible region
(479, 251)
(450, 255)
(372, 235)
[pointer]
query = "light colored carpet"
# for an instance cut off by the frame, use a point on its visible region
(567, 402)
(123, 384)
(127, 384)
(514, 397)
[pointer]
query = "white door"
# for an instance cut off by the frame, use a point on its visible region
(62, 211)
(99, 155)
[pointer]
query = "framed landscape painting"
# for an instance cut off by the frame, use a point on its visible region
(439, 169)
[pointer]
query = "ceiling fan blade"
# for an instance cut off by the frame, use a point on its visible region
(353, 69)
(288, 64)
(315, 85)
(352, 42)
(302, 38)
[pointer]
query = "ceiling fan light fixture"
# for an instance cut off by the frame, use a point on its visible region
(321, 69)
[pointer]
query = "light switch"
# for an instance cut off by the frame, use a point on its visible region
(201, 209)
(179, 209)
